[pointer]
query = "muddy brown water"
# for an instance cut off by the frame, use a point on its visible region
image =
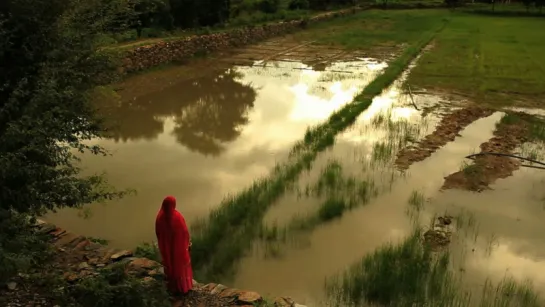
(205, 137)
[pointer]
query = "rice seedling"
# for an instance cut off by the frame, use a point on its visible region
(220, 240)
(510, 293)
(408, 273)
(402, 274)
(332, 208)
(416, 200)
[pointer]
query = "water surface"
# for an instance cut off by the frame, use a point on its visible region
(203, 137)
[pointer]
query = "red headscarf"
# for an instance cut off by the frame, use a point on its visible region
(173, 238)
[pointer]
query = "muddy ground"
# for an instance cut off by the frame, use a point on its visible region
(486, 169)
(450, 126)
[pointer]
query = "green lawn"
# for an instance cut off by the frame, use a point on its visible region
(493, 60)
(373, 29)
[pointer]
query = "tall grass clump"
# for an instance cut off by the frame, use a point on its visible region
(416, 200)
(510, 293)
(404, 274)
(229, 231)
(332, 208)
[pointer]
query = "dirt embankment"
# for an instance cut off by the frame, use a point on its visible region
(486, 169)
(447, 130)
(165, 52)
(77, 258)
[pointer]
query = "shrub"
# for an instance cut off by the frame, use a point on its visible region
(113, 287)
(21, 246)
(298, 5)
(268, 6)
(148, 250)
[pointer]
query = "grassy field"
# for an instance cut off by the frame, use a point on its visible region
(492, 60)
(368, 30)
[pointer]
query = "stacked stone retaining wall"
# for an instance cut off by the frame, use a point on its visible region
(156, 54)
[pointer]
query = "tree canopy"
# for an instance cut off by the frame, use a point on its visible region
(50, 65)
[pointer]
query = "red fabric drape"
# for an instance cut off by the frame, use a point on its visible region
(173, 237)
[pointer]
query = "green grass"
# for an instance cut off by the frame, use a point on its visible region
(98, 240)
(404, 274)
(416, 200)
(148, 250)
(408, 273)
(229, 231)
(493, 60)
(370, 29)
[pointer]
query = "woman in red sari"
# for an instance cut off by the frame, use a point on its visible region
(174, 244)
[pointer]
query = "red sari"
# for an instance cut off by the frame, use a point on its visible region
(173, 238)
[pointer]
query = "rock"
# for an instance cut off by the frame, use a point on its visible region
(249, 297)
(121, 254)
(82, 244)
(229, 293)
(218, 289)
(209, 287)
(70, 276)
(142, 264)
(283, 302)
(93, 261)
(11, 285)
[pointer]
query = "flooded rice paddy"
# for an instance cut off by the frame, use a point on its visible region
(202, 138)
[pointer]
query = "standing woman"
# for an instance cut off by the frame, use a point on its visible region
(174, 244)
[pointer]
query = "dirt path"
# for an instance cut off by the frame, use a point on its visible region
(486, 169)
(446, 131)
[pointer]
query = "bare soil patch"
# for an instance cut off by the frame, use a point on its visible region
(486, 169)
(447, 130)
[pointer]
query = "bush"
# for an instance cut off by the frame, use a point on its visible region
(298, 5)
(21, 246)
(268, 6)
(113, 287)
(148, 250)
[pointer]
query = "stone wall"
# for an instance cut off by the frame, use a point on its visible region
(165, 52)
(80, 258)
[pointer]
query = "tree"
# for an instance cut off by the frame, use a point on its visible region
(527, 3)
(151, 13)
(50, 66)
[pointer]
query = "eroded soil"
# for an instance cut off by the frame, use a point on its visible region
(446, 131)
(486, 169)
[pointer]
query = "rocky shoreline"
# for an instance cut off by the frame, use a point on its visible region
(81, 258)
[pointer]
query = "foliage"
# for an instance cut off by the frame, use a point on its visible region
(148, 250)
(299, 5)
(49, 66)
(114, 287)
(326, 4)
(152, 13)
(268, 6)
(21, 247)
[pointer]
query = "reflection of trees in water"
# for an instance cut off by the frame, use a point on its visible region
(208, 111)
(219, 107)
